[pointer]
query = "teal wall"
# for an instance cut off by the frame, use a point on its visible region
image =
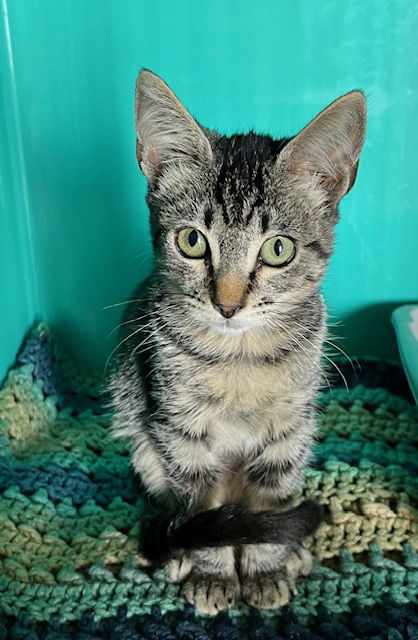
(75, 236)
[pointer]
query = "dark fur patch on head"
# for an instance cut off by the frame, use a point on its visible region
(241, 176)
(208, 218)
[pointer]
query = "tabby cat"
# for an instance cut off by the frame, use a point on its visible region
(220, 355)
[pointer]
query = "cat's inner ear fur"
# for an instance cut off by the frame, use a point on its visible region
(166, 132)
(328, 148)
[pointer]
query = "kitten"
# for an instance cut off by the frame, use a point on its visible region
(220, 361)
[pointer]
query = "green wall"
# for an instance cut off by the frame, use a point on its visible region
(74, 235)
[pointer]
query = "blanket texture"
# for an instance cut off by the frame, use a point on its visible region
(70, 516)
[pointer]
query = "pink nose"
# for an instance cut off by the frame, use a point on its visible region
(228, 310)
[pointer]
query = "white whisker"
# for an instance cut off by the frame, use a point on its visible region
(148, 314)
(148, 337)
(122, 342)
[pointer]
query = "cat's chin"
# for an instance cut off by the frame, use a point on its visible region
(232, 327)
(232, 331)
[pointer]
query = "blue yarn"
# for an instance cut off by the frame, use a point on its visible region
(352, 458)
(412, 630)
(191, 631)
(387, 622)
(156, 626)
(121, 627)
(17, 632)
(333, 630)
(158, 631)
(74, 483)
(323, 453)
(38, 351)
(223, 628)
(257, 629)
(125, 631)
(391, 634)
(365, 626)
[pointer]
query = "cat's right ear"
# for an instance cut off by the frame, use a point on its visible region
(165, 130)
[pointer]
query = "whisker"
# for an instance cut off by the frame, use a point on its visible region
(292, 336)
(126, 322)
(119, 345)
(119, 304)
(326, 341)
(154, 312)
(338, 369)
(193, 321)
(344, 353)
(271, 345)
(149, 336)
(329, 360)
(324, 355)
(145, 254)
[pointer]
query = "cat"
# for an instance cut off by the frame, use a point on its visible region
(220, 357)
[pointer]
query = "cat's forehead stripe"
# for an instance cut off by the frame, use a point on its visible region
(241, 175)
(264, 222)
(208, 217)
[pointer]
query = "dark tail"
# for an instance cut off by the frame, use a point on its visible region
(231, 524)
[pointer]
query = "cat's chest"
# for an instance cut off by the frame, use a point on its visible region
(243, 387)
(244, 403)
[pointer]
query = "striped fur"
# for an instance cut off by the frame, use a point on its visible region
(217, 409)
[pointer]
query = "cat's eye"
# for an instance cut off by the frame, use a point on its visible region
(277, 251)
(192, 243)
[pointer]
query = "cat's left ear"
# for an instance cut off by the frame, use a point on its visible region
(165, 130)
(327, 150)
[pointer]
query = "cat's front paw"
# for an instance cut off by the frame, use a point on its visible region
(211, 593)
(177, 569)
(268, 591)
(298, 563)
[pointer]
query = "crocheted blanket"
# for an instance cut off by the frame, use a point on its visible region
(70, 515)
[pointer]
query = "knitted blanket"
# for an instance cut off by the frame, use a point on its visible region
(70, 515)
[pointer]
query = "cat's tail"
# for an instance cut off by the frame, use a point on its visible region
(231, 524)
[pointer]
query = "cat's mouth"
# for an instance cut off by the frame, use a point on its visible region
(228, 328)
(231, 326)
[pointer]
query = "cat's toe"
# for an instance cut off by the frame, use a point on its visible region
(177, 569)
(298, 563)
(266, 591)
(211, 594)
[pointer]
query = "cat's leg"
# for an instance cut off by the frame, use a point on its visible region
(268, 571)
(175, 482)
(179, 567)
(213, 584)
(187, 483)
(298, 563)
(210, 578)
(262, 574)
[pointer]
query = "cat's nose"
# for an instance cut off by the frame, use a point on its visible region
(228, 310)
(229, 295)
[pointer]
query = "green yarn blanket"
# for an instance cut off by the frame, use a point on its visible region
(70, 515)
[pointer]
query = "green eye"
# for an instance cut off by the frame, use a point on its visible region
(277, 251)
(192, 243)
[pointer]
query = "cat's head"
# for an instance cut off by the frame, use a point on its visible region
(243, 226)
